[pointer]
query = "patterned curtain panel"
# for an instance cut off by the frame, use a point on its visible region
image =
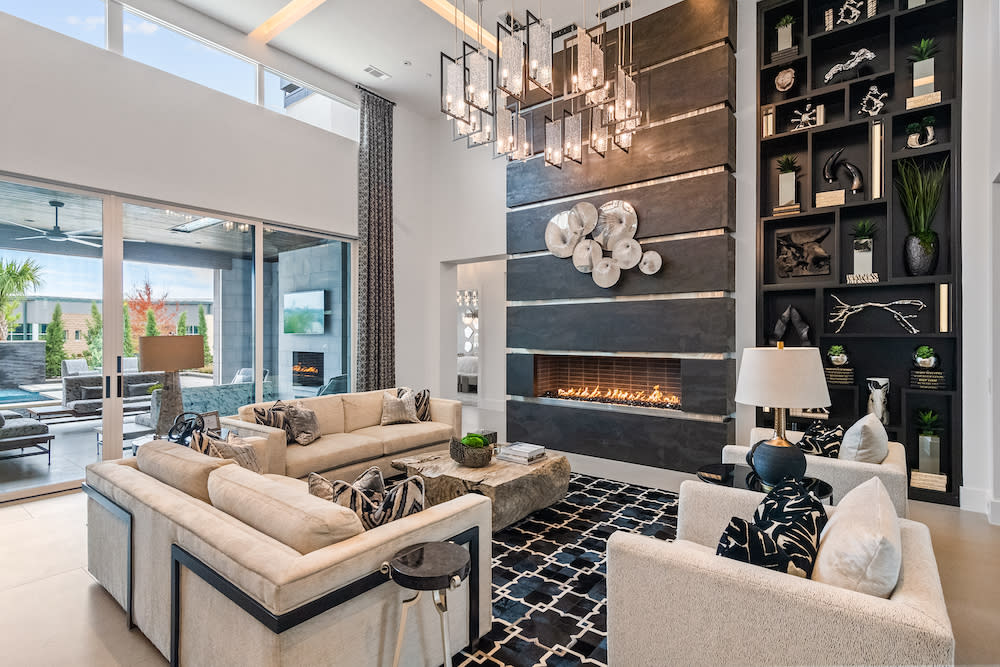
(376, 307)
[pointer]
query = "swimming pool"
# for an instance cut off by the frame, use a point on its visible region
(20, 396)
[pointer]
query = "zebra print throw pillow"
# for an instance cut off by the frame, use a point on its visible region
(233, 448)
(821, 440)
(365, 499)
(422, 399)
(274, 417)
(792, 519)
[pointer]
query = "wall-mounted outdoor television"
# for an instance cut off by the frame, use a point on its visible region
(304, 312)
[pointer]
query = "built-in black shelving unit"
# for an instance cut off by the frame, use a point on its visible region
(876, 344)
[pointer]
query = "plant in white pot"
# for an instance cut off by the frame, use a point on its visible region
(837, 355)
(919, 187)
(929, 441)
(788, 167)
(784, 28)
(924, 357)
(864, 244)
(922, 56)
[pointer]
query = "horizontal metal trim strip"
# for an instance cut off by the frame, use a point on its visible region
(622, 188)
(714, 356)
(685, 236)
(612, 407)
(614, 299)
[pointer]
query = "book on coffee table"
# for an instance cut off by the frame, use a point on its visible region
(521, 452)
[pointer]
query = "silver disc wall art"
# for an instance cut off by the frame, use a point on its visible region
(587, 255)
(606, 273)
(627, 254)
(560, 238)
(650, 262)
(583, 218)
(616, 222)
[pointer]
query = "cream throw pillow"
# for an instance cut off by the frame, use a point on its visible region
(866, 441)
(401, 410)
(860, 549)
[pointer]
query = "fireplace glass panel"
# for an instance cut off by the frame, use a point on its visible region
(636, 381)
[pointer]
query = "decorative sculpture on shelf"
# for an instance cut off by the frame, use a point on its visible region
(805, 119)
(878, 398)
(794, 317)
(833, 164)
(801, 253)
(921, 134)
(785, 80)
(830, 166)
(843, 311)
(872, 103)
(850, 12)
(856, 181)
(855, 61)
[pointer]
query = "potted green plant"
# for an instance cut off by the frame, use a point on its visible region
(924, 357)
(784, 28)
(864, 244)
(922, 56)
(837, 355)
(929, 427)
(921, 134)
(788, 166)
(919, 188)
(473, 451)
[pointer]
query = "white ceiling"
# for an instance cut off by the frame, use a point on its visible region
(345, 36)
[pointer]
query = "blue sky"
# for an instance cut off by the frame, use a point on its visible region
(80, 277)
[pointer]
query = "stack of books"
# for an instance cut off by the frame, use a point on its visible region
(930, 481)
(521, 452)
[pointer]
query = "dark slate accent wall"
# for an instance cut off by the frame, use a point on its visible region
(21, 362)
(678, 176)
(676, 207)
(678, 444)
(692, 265)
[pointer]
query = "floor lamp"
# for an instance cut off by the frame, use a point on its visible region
(170, 354)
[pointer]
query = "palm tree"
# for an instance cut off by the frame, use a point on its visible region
(15, 280)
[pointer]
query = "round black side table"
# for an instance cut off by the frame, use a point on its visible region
(431, 566)
(743, 477)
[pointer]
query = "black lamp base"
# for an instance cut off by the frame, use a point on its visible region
(775, 459)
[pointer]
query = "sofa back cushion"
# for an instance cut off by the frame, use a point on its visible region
(329, 412)
(180, 467)
(286, 513)
(363, 409)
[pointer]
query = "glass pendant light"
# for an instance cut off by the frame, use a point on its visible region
(523, 140)
(505, 137)
(484, 134)
(453, 88)
(554, 142)
(540, 52)
(573, 136)
(598, 131)
(510, 65)
(479, 84)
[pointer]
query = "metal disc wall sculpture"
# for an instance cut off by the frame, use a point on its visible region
(611, 229)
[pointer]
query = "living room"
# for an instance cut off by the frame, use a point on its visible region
(722, 224)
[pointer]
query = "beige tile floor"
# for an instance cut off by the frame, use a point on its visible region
(53, 613)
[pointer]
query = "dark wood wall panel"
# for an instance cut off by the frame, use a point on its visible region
(683, 27)
(709, 385)
(681, 325)
(691, 265)
(699, 142)
(677, 444)
(676, 207)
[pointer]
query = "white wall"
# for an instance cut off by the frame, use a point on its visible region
(78, 114)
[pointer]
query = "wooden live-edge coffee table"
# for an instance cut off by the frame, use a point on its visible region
(516, 489)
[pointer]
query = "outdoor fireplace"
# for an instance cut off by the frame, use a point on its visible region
(307, 369)
(634, 381)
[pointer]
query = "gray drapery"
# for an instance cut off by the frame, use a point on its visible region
(376, 305)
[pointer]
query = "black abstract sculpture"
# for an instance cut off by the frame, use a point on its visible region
(794, 317)
(833, 165)
(801, 253)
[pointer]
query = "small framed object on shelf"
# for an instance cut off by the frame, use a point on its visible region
(212, 422)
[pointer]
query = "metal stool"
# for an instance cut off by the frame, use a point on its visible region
(432, 566)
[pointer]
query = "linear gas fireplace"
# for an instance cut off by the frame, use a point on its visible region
(633, 381)
(307, 369)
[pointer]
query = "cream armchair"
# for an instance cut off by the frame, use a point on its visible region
(711, 610)
(842, 475)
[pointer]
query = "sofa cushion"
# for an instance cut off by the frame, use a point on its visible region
(363, 409)
(330, 451)
(233, 448)
(85, 407)
(140, 389)
(329, 412)
(422, 400)
(822, 440)
(22, 426)
(399, 409)
(288, 514)
(179, 467)
(90, 393)
(860, 548)
(301, 423)
(402, 437)
(866, 441)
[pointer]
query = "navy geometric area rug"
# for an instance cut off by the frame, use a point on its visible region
(549, 595)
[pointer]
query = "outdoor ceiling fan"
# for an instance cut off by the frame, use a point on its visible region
(57, 234)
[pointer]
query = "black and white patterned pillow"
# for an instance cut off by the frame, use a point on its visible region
(233, 448)
(274, 417)
(821, 440)
(790, 518)
(405, 498)
(423, 401)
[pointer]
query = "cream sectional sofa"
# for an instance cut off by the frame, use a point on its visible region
(200, 546)
(352, 439)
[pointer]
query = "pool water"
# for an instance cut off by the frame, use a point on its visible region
(19, 396)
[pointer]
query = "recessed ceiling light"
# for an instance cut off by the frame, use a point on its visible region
(408, 63)
(377, 73)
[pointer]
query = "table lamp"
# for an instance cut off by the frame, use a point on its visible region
(779, 378)
(170, 354)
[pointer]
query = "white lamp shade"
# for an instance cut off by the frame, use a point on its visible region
(782, 378)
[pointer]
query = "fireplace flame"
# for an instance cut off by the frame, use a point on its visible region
(309, 370)
(612, 395)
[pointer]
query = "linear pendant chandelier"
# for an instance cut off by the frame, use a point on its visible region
(487, 100)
